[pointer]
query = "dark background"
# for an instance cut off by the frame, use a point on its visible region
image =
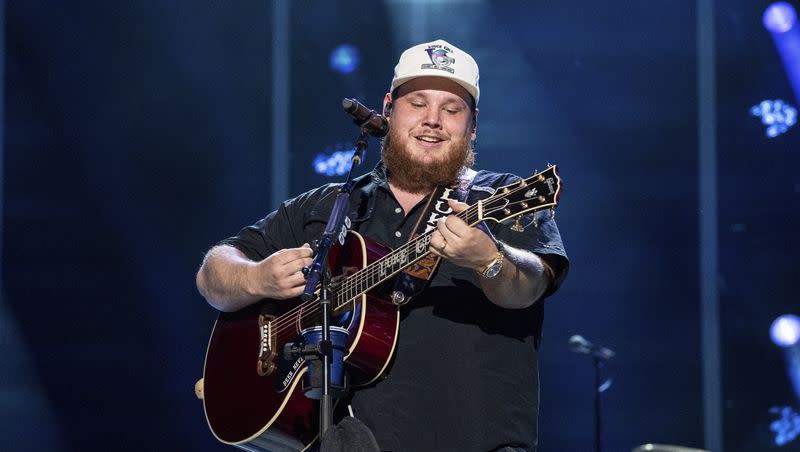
(138, 134)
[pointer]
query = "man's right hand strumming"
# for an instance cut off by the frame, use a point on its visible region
(230, 281)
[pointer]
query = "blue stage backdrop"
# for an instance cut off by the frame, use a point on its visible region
(138, 134)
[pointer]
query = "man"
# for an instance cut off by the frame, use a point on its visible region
(464, 375)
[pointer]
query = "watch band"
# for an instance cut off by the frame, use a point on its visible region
(494, 267)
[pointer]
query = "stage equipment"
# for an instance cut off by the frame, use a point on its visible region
(599, 355)
(779, 17)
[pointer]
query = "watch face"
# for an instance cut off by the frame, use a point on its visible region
(493, 270)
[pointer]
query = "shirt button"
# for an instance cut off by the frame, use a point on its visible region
(398, 210)
(397, 234)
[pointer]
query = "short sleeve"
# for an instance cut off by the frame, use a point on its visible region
(282, 228)
(540, 236)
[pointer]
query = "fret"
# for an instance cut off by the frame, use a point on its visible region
(534, 193)
(394, 262)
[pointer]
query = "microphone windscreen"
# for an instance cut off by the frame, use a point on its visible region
(577, 341)
(348, 105)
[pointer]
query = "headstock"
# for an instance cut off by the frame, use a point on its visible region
(537, 192)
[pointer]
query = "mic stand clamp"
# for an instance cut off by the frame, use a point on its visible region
(337, 226)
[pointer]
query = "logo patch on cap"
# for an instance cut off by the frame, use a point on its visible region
(439, 58)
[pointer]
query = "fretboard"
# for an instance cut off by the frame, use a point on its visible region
(393, 263)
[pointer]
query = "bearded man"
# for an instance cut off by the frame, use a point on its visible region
(464, 374)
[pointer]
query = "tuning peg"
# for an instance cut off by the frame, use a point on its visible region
(535, 220)
(552, 213)
(517, 226)
(549, 165)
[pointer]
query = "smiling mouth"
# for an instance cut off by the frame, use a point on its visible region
(429, 139)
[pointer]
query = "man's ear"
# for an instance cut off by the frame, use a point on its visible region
(474, 133)
(387, 105)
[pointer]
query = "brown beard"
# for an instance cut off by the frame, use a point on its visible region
(414, 177)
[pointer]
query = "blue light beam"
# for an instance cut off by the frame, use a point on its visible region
(780, 19)
(785, 332)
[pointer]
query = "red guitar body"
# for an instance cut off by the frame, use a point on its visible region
(253, 396)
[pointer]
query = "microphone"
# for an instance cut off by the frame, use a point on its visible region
(372, 123)
(579, 344)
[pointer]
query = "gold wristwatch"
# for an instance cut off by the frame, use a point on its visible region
(494, 267)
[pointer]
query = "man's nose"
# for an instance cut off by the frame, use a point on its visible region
(433, 118)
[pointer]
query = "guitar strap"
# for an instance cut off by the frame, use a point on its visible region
(415, 278)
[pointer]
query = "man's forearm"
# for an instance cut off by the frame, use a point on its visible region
(224, 279)
(524, 278)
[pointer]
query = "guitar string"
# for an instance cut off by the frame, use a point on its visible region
(352, 283)
(287, 320)
(400, 256)
(289, 317)
(357, 278)
(362, 277)
(291, 322)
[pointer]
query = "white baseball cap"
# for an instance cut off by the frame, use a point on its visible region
(438, 59)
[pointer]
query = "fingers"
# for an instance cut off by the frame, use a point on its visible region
(451, 228)
(287, 287)
(455, 225)
(292, 260)
(296, 266)
(294, 285)
(457, 206)
(438, 243)
(455, 240)
(281, 274)
(288, 255)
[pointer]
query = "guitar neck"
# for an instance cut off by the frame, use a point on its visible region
(537, 192)
(398, 260)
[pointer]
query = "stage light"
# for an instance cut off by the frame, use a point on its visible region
(345, 58)
(777, 115)
(333, 163)
(779, 17)
(785, 330)
(787, 426)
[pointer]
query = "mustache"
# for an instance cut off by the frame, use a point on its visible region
(413, 176)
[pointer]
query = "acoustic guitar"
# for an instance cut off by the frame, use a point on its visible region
(252, 393)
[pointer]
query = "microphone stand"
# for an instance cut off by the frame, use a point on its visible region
(598, 389)
(599, 357)
(337, 226)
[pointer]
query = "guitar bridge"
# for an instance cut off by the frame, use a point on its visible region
(266, 355)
